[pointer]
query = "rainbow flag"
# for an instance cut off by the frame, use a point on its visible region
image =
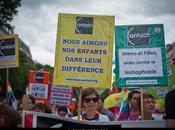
(124, 108)
(118, 104)
(11, 100)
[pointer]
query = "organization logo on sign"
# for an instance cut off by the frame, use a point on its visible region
(84, 25)
(157, 30)
(138, 35)
(39, 77)
(7, 47)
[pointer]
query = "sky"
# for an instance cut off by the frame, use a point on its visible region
(36, 22)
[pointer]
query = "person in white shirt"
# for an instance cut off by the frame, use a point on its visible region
(90, 100)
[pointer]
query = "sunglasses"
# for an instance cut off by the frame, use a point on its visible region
(88, 100)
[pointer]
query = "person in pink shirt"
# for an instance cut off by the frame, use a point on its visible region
(134, 109)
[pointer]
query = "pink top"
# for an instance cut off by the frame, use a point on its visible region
(134, 116)
(128, 116)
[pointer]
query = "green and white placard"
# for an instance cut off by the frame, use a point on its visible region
(140, 55)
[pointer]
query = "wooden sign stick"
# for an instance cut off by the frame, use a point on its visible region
(79, 103)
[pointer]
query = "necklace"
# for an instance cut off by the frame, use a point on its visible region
(96, 116)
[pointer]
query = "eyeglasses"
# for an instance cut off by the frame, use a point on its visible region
(88, 100)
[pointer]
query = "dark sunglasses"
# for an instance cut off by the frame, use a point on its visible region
(88, 100)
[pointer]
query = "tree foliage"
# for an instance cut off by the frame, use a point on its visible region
(8, 9)
(19, 76)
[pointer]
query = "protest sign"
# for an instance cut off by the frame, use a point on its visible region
(61, 95)
(84, 50)
(41, 120)
(39, 85)
(9, 51)
(140, 55)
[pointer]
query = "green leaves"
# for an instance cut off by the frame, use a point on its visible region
(8, 9)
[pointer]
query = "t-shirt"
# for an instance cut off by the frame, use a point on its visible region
(134, 116)
(9, 118)
(140, 118)
(101, 118)
(108, 114)
(126, 116)
(170, 105)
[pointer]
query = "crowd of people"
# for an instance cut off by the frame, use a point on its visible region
(92, 109)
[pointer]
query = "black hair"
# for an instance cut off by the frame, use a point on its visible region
(131, 93)
(48, 109)
(102, 99)
(62, 108)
